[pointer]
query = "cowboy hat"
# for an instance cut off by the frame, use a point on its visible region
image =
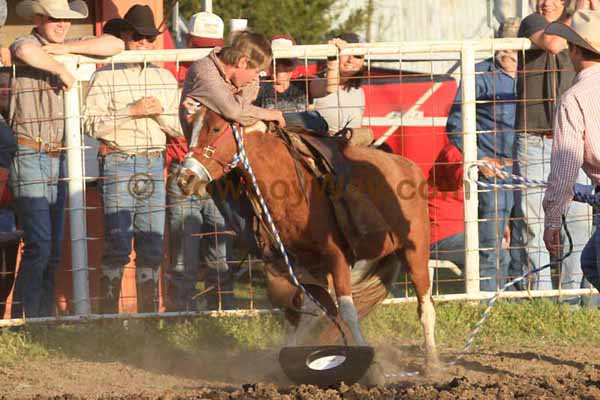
(583, 32)
(138, 18)
(60, 9)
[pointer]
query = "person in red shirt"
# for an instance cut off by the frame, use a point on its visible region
(194, 221)
(446, 210)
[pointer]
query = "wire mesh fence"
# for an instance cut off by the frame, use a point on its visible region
(136, 244)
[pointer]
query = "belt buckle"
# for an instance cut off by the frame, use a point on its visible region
(40, 143)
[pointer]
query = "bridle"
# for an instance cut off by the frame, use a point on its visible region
(209, 151)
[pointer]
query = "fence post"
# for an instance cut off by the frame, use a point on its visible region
(470, 174)
(77, 212)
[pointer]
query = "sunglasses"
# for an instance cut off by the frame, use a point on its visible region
(138, 37)
(52, 19)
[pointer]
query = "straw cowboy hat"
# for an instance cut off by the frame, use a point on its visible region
(138, 18)
(60, 9)
(583, 32)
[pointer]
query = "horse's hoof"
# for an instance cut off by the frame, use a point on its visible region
(374, 375)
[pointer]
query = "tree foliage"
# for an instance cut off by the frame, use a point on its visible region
(308, 21)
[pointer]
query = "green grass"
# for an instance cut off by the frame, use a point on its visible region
(530, 324)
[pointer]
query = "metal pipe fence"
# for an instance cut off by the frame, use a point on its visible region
(399, 55)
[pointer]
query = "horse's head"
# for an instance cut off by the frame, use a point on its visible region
(212, 150)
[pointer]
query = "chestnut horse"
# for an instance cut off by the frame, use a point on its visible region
(304, 216)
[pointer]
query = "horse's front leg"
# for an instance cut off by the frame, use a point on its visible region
(342, 282)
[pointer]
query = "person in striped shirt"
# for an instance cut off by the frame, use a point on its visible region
(576, 132)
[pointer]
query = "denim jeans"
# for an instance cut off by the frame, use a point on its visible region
(307, 119)
(493, 212)
(40, 195)
(197, 239)
(133, 197)
(533, 152)
(451, 248)
(235, 207)
(590, 260)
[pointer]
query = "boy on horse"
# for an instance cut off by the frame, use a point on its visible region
(226, 81)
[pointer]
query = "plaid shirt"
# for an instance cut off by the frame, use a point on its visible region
(576, 143)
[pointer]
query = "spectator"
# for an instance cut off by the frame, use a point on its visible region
(446, 207)
(205, 30)
(496, 106)
(36, 118)
(196, 226)
(286, 95)
(9, 238)
(280, 92)
(545, 73)
(339, 97)
(226, 82)
(576, 133)
(131, 120)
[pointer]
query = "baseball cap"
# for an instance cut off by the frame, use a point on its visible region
(278, 41)
(283, 41)
(206, 30)
(509, 28)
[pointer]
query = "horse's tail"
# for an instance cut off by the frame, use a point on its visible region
(371, 283)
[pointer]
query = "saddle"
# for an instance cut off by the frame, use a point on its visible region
(359, 220)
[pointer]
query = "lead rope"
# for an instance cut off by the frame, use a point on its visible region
(525, 183)
(243, 158)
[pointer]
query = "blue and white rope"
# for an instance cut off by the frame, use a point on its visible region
(243, 158)
(492, 301)
(525, 182)
(581, 193)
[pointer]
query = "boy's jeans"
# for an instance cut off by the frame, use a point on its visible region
(40, 195)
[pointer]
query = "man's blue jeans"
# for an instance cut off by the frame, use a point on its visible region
(198, 238)
(451, 248)
(494, 210)
(590, 260)
(533, 152)
(36, 180)
(133, 196)
(311, 120)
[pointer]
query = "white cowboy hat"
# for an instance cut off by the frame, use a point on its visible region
(583, 32)
(60, 9)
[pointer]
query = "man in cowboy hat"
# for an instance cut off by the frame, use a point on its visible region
(131, 120)
(36, 117)
(576, 133)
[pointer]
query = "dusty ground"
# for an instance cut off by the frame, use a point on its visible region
(552, 373)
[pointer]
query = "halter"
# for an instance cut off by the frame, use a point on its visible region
(208, 151)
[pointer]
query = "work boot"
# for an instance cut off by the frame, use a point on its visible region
(147, 289)
(110, 291)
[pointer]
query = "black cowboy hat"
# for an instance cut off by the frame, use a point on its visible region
(584, 30)
(138, 18)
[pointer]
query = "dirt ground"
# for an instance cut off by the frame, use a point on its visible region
(552, 373)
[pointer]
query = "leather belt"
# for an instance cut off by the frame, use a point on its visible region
(106, 149)
(52, 149)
